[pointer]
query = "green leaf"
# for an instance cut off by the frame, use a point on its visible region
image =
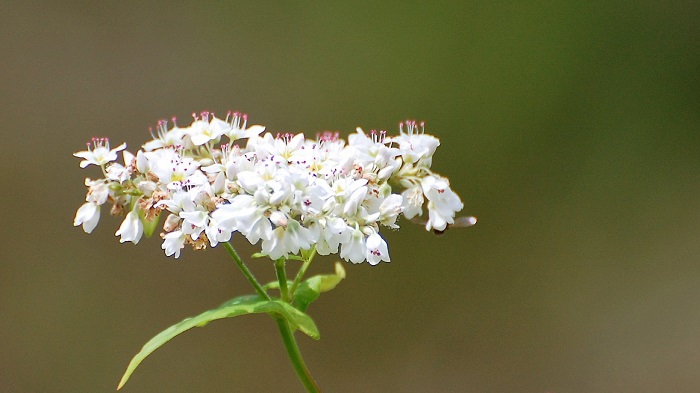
(275, 285)
(250, 304)
(311, 288)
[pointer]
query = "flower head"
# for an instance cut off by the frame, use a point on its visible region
(289, 192)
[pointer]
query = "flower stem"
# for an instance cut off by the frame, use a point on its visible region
(246, 272)
(295, 356)
(282, 278)
(287, 334)
(302, 271)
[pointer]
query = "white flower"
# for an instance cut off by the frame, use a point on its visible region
(174, 137)
(333, 231)
(412, 202)
(216, 233)
(377, 250)
(246, 216)
(237, 127)
(98, 191)
(390, 209)
(372, 150)
(118, 172)
(289, 192)
(283, 147)
(287, 240)
(204, 130)
(88, 216)
(354, 249)
(173, 243)
(99, 153)
(194, 222)
(131, 229)
(415, 145)
(174, 170)
(443, 203)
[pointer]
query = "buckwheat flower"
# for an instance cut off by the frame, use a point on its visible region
(142, 162)
(173, 243)
(283, 146)
(377, 250)
(207, 128)
(131, 228)
(353, 202)
(194, 222)
(320, 158)
(389, 210)
(415, 144)
(88, 216)
(167, 138)
(289, 192)
(331, 232)
(443, 203)
(180, 201)
(354, 249)
(287, 240)
(216, 233)
(99, 153)
(246, 216)
(371, 149)
(119, 173)
(219, 184)
(412, 201)
(237, 127)
(312, 199)
(174, 170)
(343, 190)
(98, 191)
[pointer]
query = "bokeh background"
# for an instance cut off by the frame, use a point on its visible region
(571, 129)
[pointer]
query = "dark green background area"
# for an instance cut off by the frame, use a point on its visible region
(571, 130)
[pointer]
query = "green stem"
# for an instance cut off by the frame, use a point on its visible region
(302, 271)
(282, 278)
(295, 356)
(287, 334)
(246, 272)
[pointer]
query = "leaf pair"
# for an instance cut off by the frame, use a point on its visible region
(307, 292)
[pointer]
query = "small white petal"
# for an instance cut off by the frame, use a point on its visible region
(131, 228)
(88, 215)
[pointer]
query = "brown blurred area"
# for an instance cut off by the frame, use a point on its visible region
(571, 130)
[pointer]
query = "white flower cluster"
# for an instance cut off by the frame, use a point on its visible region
(288, 191)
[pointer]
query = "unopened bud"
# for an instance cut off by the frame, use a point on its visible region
(278, 219)
(147, 188)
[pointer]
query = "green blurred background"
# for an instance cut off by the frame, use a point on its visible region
(571, 129)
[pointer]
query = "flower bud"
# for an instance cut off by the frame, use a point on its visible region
(147, 188)
(171, 223)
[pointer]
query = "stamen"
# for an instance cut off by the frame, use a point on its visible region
(98, 143)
